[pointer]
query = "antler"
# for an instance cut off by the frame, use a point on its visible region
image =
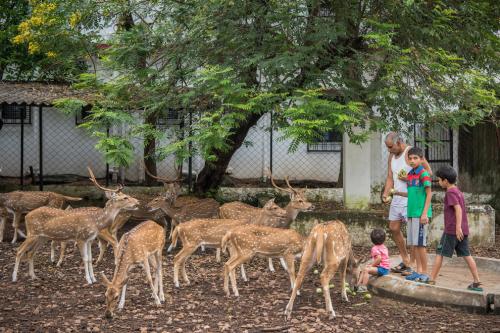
(290, 186)
(92, 178)
(279, 188)
(163, 180)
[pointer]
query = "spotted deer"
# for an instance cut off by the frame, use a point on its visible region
(140, 246)
(202, 208)
(246, 241)
(328, 244)
(18, 203)
(209, 233)
(80, 226)
(298, 203)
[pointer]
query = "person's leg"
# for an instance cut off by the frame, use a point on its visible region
(366, 274)
(462, 249)
(421, 259)
(473, 268)
(438, 261)
(396, 217)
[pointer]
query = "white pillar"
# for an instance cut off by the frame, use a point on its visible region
(357, 174)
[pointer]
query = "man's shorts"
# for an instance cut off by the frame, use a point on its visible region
(381, 271)
(397, 213)
(450, 244)
(416, 233)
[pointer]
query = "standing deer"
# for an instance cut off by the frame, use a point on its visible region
(82, 227)
(143, 243)
(18, 203)
(246, 241)
(298, 203)
(209, 233)
(328, 243)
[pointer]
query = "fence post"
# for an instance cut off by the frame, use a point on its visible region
(107, 164)
(271, 143)
(40, 147)
(23, 113)
(190, 158)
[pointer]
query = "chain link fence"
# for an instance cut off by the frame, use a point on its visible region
(53, 150)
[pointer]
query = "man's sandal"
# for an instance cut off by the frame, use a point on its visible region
(475, 286)
(399, 268)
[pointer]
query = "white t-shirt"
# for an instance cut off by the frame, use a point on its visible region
(398, 164)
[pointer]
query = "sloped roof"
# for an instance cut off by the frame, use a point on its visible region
(38, 93)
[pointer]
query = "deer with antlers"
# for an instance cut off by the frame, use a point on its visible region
(328, 244)
(81, 226)
(298, 203)
(18, 203)
(209, 233)
(139, 246)
(246, 241)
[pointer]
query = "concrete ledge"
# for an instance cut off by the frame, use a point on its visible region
(408, 291)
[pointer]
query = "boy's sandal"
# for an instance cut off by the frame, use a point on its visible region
(399, 268)
(431, 282)
(475, 286)
(407, 271)
(423, 278)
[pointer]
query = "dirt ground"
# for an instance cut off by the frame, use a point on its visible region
(61, 301)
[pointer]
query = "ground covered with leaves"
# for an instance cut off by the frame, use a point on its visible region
(61, 301)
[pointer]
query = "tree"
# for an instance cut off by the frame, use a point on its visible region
(319, 64)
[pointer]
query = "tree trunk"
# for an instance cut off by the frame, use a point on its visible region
(212, 174)
(149, 153)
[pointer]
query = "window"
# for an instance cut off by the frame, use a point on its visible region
(331, 142)
(13, 113)
(83, 114)
(172, 117)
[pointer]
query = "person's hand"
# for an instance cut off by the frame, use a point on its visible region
(460, 234)
(424, 219)
(403, 178)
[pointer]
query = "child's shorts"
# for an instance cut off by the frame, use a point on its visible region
(416, 233)
(381, 271)
(450, 244)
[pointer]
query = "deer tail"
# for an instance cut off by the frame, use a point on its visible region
(225, 240)
(320, 242)
(175, 235)
(67, 198)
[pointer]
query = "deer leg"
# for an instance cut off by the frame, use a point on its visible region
(283, 264)
(231, 265)
(306, 264)
(290, 263)
(159, 259)
(31, 256)
(15, 224)
(271, 267)
(53, 251)
(343, 269)
(61, 255)
(91, 266)
(82, 246)
(150, 280)
(325, 277)
(217, 254)
(28, 244)
(180, 261)
(121, 304)
(3, 220)
(243, 273)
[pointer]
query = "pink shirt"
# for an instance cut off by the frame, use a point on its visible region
(381, 250)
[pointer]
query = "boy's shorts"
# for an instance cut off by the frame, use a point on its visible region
(397, 213)
(450, 244)
(416, 233)
(381, 271)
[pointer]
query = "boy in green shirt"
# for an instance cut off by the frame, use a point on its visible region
(419, 212)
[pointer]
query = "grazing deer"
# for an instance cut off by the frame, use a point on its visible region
(209, 233)
(82, 227)
(143, 243)
(18, 203)
(328, 243)
(201, 209)
(246, 241)
(298, 203)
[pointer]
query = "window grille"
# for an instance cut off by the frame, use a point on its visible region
(13, 113)
(331, 142)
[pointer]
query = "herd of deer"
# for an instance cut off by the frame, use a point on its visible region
(242, 230)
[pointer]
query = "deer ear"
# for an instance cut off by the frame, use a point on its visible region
(104, 280)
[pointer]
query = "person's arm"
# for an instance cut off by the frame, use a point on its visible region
(377, 260)
(389, 182)
(427, 166)
(401, 194)
(424, 219)
(458, 226)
